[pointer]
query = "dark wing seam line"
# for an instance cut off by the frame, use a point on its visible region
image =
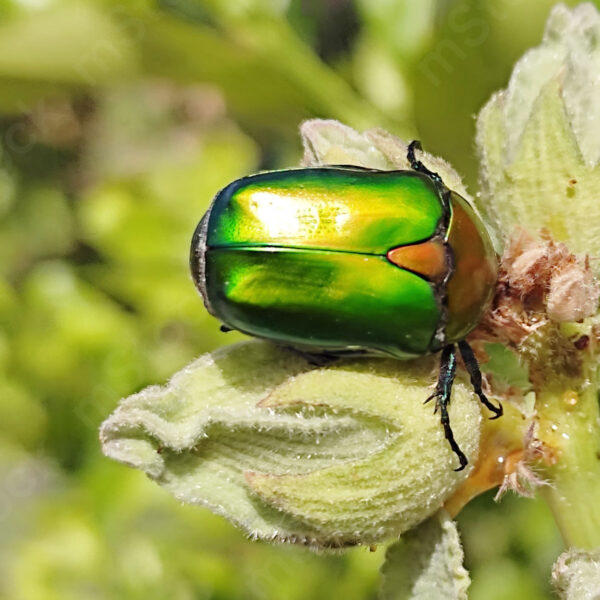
(328, 250)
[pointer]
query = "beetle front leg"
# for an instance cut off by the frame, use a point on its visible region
(472, 367)
(417, 165)
(442, 392)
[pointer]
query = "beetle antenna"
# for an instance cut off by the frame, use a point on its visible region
(442, 392)
(417, 165)
(474, 371)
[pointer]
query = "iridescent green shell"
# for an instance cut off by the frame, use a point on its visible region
(343, 259)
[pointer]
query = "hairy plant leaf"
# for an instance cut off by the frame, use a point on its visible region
(426, 563)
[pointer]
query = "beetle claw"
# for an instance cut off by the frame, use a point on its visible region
(463, 461)
(497, 410)
(497, 414)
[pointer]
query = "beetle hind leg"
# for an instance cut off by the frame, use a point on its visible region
(472, 367)
(442, 392)
(315, 359)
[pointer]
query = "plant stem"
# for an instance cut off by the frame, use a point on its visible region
(569, 424)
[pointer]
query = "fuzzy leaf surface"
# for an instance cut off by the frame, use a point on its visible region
(426, 563)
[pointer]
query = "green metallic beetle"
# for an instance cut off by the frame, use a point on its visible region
(342, 260)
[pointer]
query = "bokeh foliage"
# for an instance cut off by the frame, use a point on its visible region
(119, 121)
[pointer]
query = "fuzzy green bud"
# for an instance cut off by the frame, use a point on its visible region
(331, 456)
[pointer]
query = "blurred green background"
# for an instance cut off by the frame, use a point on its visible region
(119, 120)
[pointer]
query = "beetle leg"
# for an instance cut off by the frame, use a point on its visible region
(472, 367)
(315, 359)
(417, 165)
(442, 392)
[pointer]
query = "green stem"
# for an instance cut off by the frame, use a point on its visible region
(570, 424)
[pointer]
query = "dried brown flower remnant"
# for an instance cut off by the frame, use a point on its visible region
(573, 293)
(519, 475)
(538, 281)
